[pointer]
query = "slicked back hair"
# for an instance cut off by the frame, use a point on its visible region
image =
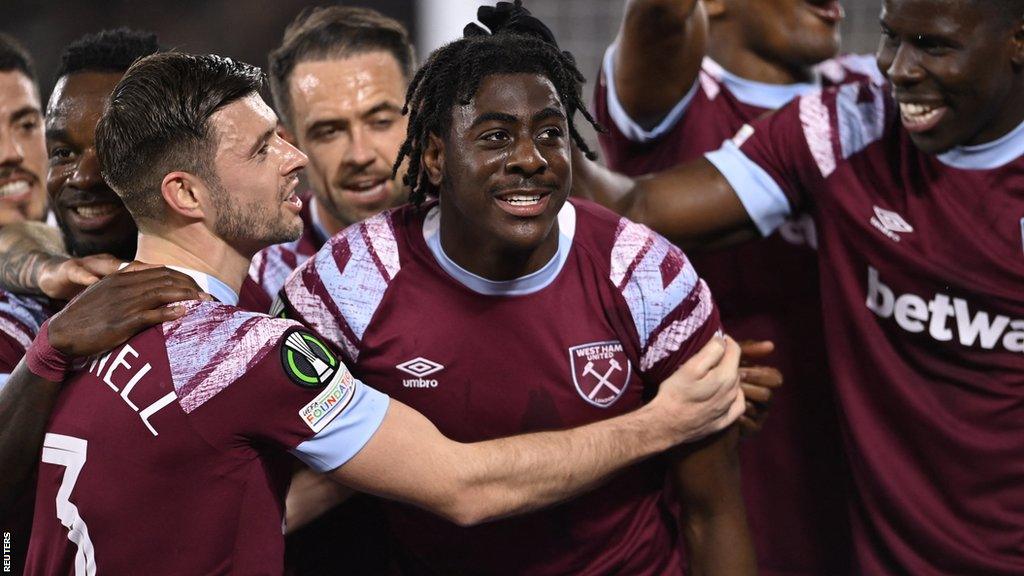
(334, 32)
(157, 122)
(453, 74)
(14, 57)
(107, 51)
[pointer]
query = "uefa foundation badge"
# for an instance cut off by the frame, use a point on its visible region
(311, 364)
(600, 371)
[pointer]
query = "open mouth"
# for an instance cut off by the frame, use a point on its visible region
(830, 11)
(367, 193)
(14, 190)
(93, 217)
(523, 204)
(921, 117)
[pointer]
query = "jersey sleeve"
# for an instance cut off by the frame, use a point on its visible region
(669, 305)
(778, 165)
(262, 381)
(20, 320)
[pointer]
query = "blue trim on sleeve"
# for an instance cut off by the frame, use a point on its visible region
(347, 433)
(629, 127)
(762, 197)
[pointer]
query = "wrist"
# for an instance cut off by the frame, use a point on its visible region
(46, 361)
(662, 430)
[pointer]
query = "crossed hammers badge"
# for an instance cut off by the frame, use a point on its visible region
(600, 372)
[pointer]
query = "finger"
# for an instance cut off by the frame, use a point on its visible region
(157, 275)
(749, 425)
(705, 359)
(727, 369)
(148, 318)
(102, 264)
(162, 296)
(757, 393)
(761, 376)
(136, 265)
(755, 349)
(76, 274)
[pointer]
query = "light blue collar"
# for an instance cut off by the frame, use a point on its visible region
(209, 284)
(529, 284)
(318, 225)
(761, 94)
(988, 156)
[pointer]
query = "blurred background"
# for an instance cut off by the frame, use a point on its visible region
(249, 29)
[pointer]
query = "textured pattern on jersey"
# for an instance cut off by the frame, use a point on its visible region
(860, 114)
(672, 337)
(271, 266)
(21, 317)
(817, 124)
(653, 276)
(338, 291)
(213, 345)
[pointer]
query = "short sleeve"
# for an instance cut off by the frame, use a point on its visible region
(670, 306)
(297, 394)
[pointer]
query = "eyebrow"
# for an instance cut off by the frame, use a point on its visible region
(260, 141)
(56, 134)
(26, 111)
(547, 113)
(502, 117)
(383, 107)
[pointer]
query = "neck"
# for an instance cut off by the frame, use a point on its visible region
(725, 48)
(473, 251)
(331, 224)
(193, 247)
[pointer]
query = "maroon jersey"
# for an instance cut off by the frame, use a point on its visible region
(587, 337)
(168, 455)
(272, 265)
(922, 271)
(766, 291)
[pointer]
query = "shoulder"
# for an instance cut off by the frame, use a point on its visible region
(21, 316)
(213, 345)
(851, 68)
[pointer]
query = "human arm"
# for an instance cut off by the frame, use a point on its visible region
(706, 480)
(33, 260)
(104, 316)
(310, 496)
(408, 459)
(658, 54)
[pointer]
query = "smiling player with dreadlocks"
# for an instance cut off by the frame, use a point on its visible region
(555, 313)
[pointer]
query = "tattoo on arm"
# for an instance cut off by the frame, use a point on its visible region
(24, 252)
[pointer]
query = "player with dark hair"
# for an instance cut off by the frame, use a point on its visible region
(914, 187)
(22, 154)
(187, 422)
(338, 79)
(681, 77)
(502, 308)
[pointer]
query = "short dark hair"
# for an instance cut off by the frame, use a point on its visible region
(157, 121)
(107, 51)
(335, 32)
(13, 56)
(452, 75)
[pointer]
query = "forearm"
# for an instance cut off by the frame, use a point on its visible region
(310, 496)
(514, 475)
(26, 248)
(707, 479)
(25, 406)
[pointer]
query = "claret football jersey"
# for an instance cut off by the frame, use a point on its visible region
(587, 337)
(169, 454)
(922, 272)
(793, 470)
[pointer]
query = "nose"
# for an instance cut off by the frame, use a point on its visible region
(11, 153)
(526, 158)
(902, 66)
(294, 159)
(87, 171)
(360, 150)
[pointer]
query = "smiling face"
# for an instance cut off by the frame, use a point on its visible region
(793, 33)
(91, 216)
(955, 69)
(257, 171)
(22, 150)
(504, 173)
(347, 116)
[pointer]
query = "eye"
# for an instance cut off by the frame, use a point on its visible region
(932, 45)
(382, 124)
(551, 133)
(324, 132)
(494, 136)
(28, 125)
(263, 149)
(60, 155)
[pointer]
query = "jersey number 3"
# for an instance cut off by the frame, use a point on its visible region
(70, 452)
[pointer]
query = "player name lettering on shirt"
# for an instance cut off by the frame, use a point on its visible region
(915, 314)
(106, 372)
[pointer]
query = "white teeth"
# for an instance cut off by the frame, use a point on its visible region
(367, 187)
(95, 211)
(14, 188)
(521, 200)
(919, 113)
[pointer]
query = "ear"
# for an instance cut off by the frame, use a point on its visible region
(1018, 44)
(286, 134)
(181, 192)
(714, 8)
(433, 159)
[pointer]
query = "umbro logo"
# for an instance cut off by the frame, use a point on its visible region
(890, 223)
(419, 368)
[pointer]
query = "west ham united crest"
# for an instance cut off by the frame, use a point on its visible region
(600, 372)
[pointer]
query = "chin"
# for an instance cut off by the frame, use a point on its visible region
(932, 144)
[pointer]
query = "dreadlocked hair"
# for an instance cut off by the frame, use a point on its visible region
(453, 74)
